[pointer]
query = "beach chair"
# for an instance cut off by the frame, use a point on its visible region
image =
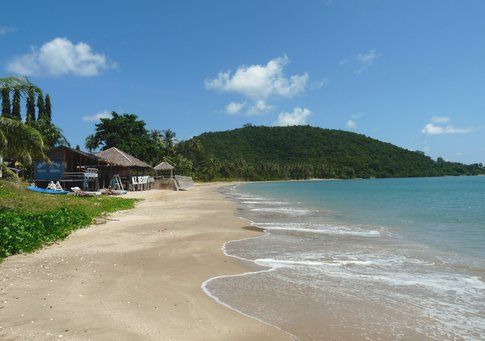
(77, 191)
(134, 182)
(58, 186)
(51, 185)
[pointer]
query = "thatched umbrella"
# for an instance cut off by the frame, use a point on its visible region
(165, 166)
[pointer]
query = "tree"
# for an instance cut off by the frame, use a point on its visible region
(16, 105)
(48, 108)
(52, 135)
(30, 106)
(125, 132)
(20, 83)
(40, 107)
(6, 102)
(169, 141)
(19, 141)
(157, 135)
(21, 87)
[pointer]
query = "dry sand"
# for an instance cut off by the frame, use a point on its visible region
(136, 277)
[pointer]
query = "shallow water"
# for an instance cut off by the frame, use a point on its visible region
(376, 259)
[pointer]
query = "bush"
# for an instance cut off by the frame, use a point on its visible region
(30, 220)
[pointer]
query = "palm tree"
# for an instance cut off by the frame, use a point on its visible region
(19, 141)
(169, 138)
(169, 141)
(195, 145)
(157, 135)
(52, 135)
(20, 83)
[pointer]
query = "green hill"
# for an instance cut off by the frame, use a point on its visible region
(298, 152)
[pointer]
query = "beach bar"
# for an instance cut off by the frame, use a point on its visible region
(133, 173)
(70, 167)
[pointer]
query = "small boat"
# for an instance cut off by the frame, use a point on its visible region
(45, 190)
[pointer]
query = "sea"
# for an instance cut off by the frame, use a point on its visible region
(373, 259)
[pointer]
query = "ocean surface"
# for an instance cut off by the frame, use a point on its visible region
(362, 259)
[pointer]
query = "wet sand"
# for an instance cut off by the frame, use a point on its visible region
(138, 276)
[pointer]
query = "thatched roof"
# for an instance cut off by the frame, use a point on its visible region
(75, 151)
(52, 152)
(118, 157)
(164, 166)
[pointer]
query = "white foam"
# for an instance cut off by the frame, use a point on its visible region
(264, 202)
(285, 210)
(329, 230)
(280, 263)
(204, 287)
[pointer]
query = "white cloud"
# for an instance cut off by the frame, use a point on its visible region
(297, 117)
(60, 57)
(259, 108)
(366, 59)
(433, 129)
(260, 81)
(440, 119)
(97, 117)
(351, 124)
(234, 107)
(438, 126)
(321, 83)
(5, 30)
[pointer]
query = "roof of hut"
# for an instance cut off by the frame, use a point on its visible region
(118, 157)
(164, 166)
(53, 151)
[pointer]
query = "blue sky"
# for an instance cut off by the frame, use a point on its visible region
(407, 72)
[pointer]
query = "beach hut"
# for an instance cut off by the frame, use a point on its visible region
(71, 167)
(164, 167)
(133, 173)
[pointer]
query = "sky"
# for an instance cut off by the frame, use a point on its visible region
(411, 73)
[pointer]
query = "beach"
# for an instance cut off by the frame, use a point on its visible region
(137, 275)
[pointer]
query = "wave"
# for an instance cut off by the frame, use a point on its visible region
(322, 229)
(279, 263)
(285, 210)
(264, 202)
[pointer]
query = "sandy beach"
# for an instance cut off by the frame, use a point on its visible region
(137, 276)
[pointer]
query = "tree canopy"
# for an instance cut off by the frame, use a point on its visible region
(126, 132)
(300, 152)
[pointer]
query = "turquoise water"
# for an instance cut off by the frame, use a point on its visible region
(448, 212)
(363, 259)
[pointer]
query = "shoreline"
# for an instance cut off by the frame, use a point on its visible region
(139, 275)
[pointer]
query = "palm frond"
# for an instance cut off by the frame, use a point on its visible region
(19, 83)
(22, 142)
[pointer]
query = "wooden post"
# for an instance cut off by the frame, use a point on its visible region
(1, 165)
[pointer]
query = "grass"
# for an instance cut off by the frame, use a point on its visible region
(30, 220)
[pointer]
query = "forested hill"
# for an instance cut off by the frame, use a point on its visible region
(296, 152)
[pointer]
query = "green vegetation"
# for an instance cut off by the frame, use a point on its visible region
(128, 133)
(19, 142)
(301, 152)
(270, 153)
(30, 220)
